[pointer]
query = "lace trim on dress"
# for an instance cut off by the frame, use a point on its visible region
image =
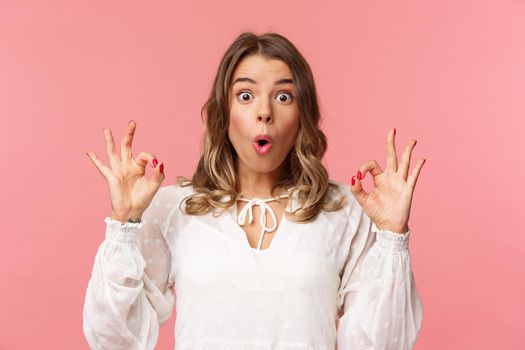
(117, 231)
(391, 241)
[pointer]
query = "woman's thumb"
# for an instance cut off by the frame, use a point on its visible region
(158, 176)
(357, 189)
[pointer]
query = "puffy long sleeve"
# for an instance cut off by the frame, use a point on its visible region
(378, 297)
(130, 292)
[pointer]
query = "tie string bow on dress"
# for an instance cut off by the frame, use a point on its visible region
(248, 210)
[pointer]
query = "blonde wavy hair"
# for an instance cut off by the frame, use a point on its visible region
(215, 182)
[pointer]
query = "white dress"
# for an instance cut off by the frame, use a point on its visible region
(228, 295)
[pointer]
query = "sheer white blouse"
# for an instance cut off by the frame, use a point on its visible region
(337, 282)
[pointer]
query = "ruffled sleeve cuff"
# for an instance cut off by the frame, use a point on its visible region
(117, 231)
(391, 241)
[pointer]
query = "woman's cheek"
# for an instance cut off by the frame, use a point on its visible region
(238, 127)
(239, 120)
(234, 120)
(290, 126)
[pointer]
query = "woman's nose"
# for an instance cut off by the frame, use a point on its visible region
(265, 118)
(264, 113)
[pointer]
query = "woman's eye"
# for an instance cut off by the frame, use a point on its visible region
(290, 96)
(282, 97)
(242, 95)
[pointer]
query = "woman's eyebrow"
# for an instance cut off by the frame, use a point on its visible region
(250, 80)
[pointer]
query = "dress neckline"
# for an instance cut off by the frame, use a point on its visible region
(247, 210)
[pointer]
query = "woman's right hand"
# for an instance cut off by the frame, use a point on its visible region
(130, 191)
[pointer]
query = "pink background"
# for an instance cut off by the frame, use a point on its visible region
(450, 74)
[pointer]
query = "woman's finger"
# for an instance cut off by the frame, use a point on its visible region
(356, 186)
(158, 176)
(357, 189)
(104, 170)
(415, 174)
(404, 165)
(125, 146)
(372, 167)
(144, 158)
(113, 156)
(391, 156)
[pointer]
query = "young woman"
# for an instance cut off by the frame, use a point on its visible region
(260, 249)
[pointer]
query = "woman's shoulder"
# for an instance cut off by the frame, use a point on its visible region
(174, 192)
(341, 189)
(339, 184)
(176, 189)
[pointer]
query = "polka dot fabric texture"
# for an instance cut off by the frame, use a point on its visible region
(337, 282)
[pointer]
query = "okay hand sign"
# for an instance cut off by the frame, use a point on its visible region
(388, 205)
(130, 191)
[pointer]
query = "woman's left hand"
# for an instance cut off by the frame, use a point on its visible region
(388, 205)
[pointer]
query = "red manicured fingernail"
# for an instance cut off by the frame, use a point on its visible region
(353, 180)
(154, 162)
(161, 167)
(359, 175)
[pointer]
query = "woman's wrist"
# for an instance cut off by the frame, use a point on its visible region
(134, 221)
(127, 218)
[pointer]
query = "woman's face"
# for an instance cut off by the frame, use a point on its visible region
(262, 101)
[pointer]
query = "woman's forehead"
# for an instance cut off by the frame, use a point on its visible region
(258, 68)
